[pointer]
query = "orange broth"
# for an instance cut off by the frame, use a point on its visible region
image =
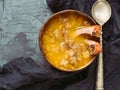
(60, 48)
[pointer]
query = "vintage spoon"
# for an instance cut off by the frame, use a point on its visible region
(101, 12)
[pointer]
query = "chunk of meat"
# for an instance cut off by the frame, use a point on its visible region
(56, 33)
(94, 47)
(63, 46)
(73, 61)
(91, 30)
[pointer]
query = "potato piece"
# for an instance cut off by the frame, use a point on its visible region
(64, 62)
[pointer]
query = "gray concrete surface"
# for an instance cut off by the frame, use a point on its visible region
(20, 22)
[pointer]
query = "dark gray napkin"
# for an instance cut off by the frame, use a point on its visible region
(25, 73)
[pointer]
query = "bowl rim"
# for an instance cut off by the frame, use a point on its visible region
(42, 30)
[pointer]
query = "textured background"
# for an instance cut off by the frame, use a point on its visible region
(20, 22)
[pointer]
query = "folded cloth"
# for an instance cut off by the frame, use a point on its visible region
(24, 71)
(24, 74)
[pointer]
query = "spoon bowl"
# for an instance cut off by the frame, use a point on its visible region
(101, 11)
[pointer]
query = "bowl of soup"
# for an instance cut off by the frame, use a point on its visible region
(58, 44)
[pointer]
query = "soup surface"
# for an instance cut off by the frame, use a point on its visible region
(60, 48)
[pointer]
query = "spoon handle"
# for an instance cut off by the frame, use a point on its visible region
(100, 78)
(101, 0)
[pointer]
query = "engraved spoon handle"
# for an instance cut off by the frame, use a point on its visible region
(101, 0)
(100, 77)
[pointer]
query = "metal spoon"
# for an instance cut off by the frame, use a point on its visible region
(101, 12)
